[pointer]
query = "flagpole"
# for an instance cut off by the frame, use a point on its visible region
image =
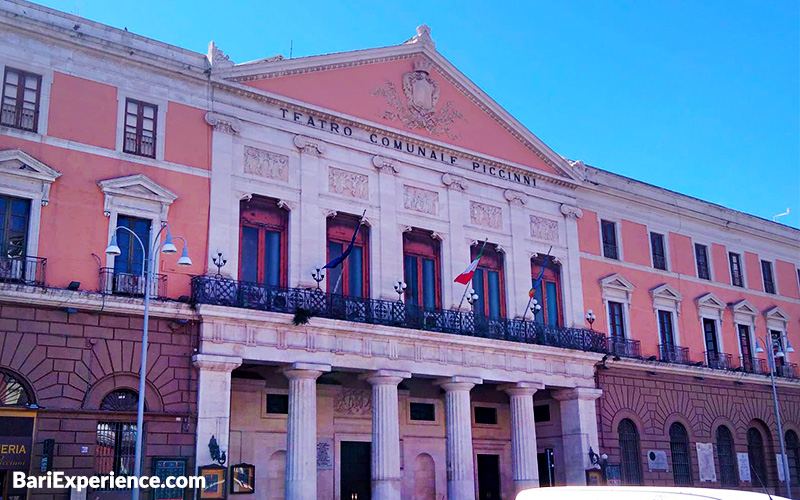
(469, 285)
(536, 284)
(339, 279)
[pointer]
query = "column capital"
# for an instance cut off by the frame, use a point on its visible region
(216, 363)
(309, 145)
(305, 370)
(579, 393)
(522, 388)
(385, 377)
(458, 382)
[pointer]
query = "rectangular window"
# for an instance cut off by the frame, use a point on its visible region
(766, 273)
(489, 283)
(140, 128)
(115, 448)
(422, 270)
(131, 259)
(701, 254)
(278, 404)
(609, 230)
(736, 269)
(425, 412)
(262, 257)
(541, 413)
(485, 415)
(548, 294)
(21, 94)
(352, 276)
(748, 361)
(665, 328)
(777, 347)
(710, 334)
(659, 251)
(616, 321)
(14, 216)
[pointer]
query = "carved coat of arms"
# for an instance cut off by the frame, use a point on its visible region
(421, 96)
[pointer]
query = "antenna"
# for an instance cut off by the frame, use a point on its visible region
(775, 218)
(291, 46)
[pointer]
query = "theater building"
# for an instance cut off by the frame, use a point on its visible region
(381, 378)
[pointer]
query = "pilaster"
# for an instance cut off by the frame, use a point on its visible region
(213, 402)
(578, 429)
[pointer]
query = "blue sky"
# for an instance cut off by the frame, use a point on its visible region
(701, 97)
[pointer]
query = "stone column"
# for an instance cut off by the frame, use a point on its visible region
(387, 237)
(456, 255)
(571, 282)
(518, 261)
(523, 435)
(385, 468)
(213, 402)
(310, 233)
(458, 422)
(301, 435)
(578, 430)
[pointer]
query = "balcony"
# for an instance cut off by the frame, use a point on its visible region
(18, 117)
(753, 365)
(674, 354)
(132, 285)
(221, 291)
(719, 360)
(786, 370)
(23, 269)
(625, 347)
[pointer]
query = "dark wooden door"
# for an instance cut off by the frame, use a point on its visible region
(355, 474)
(488, 477)
(547, 468)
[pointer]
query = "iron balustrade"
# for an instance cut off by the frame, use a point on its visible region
(18, 117)
(625, 347)
(786, 370)
(610, 251)
(751, 364)
(674, 354)
(116, 283)
(23, 269)
(719, 360)
(217, 290)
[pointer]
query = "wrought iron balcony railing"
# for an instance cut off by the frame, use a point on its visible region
(226, 292)
(674, 354)
(786, 370)
(23, 269)
(625, 347)
(18, 117)
(719, 360)
(751, 364)
(116, 283)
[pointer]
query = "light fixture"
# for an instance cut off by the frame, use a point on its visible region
(113, 248)
(169, 246)
(400, 288)
(535, 308)
(590, 317)
(759, 349)
(74, 285)
(789, 348)
(472, 296)
(184, 260)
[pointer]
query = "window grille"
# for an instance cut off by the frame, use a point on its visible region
(12, 391)
(769, 280)
(140, 128)
(20, 105)
(681, 461)
(630, 452)
(736, 269)
(115, 448)
(609, 234)
(701, 253)
(755, 452)
(659, 251)
(726, 457)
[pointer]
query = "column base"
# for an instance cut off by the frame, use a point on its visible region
(386, 489)
(524, 484)
(463, 489)
(301, 490)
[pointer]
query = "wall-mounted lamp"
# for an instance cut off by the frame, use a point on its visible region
(74, 285)
(318, 274)
(472, 296)
(590, 317)
(400, 288)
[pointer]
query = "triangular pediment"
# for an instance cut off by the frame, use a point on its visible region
(778, 314)
(710, 300)
(410, 88)
(618, 282)
(138, 186)
(19, 163)
(667, 292)
(744, 307)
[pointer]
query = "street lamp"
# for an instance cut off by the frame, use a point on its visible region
(590, 317)
(148, 265)
(472, 296)
(318, 274)
(400, 288)
(535, 308)
(771, 355)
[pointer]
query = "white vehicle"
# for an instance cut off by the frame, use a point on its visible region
(640, 493)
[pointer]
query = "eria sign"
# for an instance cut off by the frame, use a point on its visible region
(16, 442)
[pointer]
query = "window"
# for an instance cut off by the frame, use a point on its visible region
(616, 321)
(748, 360)
(14, 219)
(352, 276)
(665, 328)
(120, 400)
(755, 452)
(659, 251)
(681, 461)
(766, 273)
(727, 458)
(701, 255)
(262, 252)
(793, 456)
(115, 448)
(422, 270)
(21, 93)
(12, 391)
(710, 336)
(423, 411)
(278, 404)
(485, 415)
(777, 347)
(609, 233)
(489, 283)
(630, 453)
(541, 413)
(130, 261)
(736, 269)
(548, 293)
(140, 128)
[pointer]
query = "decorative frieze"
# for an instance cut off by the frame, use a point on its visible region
(420, 200)
(353, 402)
(485, 215)
(266, 164)
(348, 183)
(544, 229)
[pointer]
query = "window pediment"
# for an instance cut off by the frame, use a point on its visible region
(618, 282)
(710, 306)
(137, 193)
(26, 175)
(666, 297)
(777, 314)
(744, 307)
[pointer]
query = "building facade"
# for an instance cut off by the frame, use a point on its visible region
(380, 378)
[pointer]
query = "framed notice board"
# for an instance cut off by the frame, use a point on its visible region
(164, 467)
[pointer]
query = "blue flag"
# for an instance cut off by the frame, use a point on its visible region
(541, 274)
(338, 260)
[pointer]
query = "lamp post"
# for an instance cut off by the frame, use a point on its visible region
(771, 355)
(147, 277)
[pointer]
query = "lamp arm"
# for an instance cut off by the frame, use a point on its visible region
(144, 249)
(157, 241)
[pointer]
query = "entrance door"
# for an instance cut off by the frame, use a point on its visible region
(547, 468)
(355, 474)
(488, 477)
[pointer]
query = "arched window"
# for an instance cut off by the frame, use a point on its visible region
(120, 400)
(755, 452)
(630, 452)
(681, 462)
(793, 455)
(726, 457)
(13, 392)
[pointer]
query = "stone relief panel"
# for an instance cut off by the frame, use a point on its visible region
(544, 229)
(353, 402)
(348, 183)
(266, 164)
(485, 215)
(420, 200)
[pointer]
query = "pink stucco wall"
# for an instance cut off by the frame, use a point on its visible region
(83, 111)
(752, 267)
(589, 233)
(349, 90)
(188, 136)
(635, 243)
(787, 278)
(681, 254)
(719, 260)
